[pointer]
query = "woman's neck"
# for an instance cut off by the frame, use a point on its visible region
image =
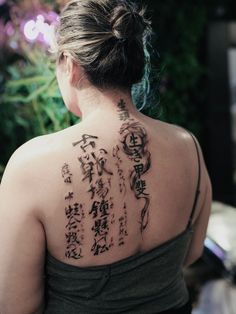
(92, 101)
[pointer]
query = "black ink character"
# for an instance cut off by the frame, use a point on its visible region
(101, 161)
(123, 111)
(71, 251)
(72, 237)
(134, 143)
(68, 180)
(122, 105)
(101, 207)
(74, 214)
(140, 187)
(134, 140)
(65, 170)
(92, 190)
(122, 185)
(95, 208)
(74, 210)
(73, 223)
(104, 206)
(100, 188)
(66, 174)
(85, 138)
(69, 196)
(100, 246)
(101, 227)
(136, 155)
(139, 168)
(123, 227)
(87, 167)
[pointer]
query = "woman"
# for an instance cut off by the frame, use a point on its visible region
(102, 216)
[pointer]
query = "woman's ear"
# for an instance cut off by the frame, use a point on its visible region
(72, 71)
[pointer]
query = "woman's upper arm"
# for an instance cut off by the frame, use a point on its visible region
(22, 242)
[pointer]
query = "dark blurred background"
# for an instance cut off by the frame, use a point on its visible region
(193, 78)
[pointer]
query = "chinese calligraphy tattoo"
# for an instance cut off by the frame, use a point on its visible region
(94, 163)
(74, 238)
(66, 174)
(85, 143)
(118, 163)
(123, 227)
(123, 111)
(74, 212)
(135, 146)
(94, 166)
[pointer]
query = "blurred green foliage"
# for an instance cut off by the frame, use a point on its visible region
(31, 105)
(34, 93)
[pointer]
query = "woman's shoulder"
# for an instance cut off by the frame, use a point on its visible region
(31, 150)
(175, 130)
(172, 132)
(191, 151)
(29, 158)
(38, 147)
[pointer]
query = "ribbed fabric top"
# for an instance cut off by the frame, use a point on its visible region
(147, 282)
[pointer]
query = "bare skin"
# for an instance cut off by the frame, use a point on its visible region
(34, 195)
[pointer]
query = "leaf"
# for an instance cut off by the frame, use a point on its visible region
(22, 122)
(51, 114)
(31, 80)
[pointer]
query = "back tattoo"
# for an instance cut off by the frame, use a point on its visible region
(97, 175)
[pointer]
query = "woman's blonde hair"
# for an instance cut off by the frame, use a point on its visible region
(107, 38)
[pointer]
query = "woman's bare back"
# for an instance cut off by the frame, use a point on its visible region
(96, 193)
(117, 185)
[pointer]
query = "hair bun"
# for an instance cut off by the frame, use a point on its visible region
(127, 23)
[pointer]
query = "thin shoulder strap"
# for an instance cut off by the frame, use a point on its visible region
(198, 183)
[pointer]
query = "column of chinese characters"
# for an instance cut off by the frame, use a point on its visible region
(123, 227)
(123, 111)
(93, 164)
(66, 174)
(122, 189)
(115, 154)
(134, 143)
(100, 210)
(74, 212)
(74, 230)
